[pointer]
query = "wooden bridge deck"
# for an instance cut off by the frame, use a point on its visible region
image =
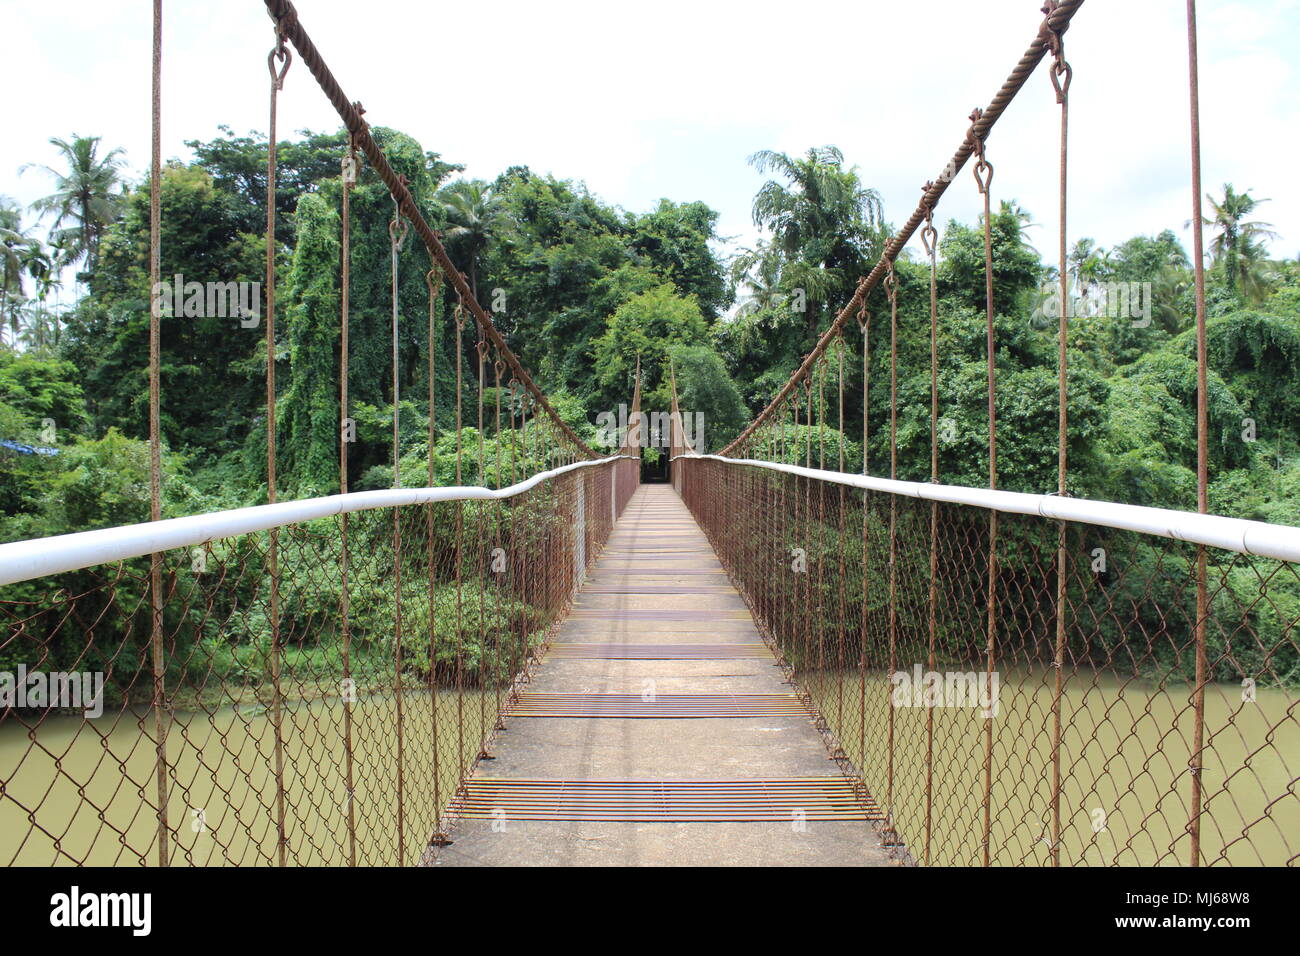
(558, 792)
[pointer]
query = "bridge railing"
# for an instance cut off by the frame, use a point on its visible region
(1036, 746)
(323, 697)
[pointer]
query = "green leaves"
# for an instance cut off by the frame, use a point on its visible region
(648, 325)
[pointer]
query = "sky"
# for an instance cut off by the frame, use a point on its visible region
(643, 101)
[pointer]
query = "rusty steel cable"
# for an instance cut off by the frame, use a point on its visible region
(892, 290)
(864, 611)
(285, 15)
(397, 230)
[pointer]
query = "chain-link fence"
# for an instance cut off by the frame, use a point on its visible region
(974, 721)
(323, 687)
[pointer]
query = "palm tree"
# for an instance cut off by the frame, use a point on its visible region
(821, 214)
(758, 272)
(477, 218)
(19, 253)
(87, 197)
(1255, 272)
(1089, 264)
(1082, 261)
(1010, 207)
(1237, 246)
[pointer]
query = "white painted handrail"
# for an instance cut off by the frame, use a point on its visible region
(37, 557)
(1232, 534)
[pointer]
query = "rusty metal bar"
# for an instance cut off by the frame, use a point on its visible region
(1060, 75)
(349, 176)
(930, 238)
(661, 705)
(662, 801)
(158, 662)
(281, 53)
(984, 180)
(1195, 764)
(892, 289)
(658, 652)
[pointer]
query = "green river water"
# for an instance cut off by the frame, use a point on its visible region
(1124, 798)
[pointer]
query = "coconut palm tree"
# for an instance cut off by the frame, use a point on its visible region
(20, 253)
(41, 328)
(1237, 246)
(477, 219)
(1089, 265)
(758, 272)
(87, 199)
(820, 214)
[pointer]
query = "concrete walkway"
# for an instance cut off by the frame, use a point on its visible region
(658, 561)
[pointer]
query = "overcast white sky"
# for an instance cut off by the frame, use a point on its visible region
(668, 99)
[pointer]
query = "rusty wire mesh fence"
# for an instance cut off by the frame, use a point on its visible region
(1082, 749)
(320, 710)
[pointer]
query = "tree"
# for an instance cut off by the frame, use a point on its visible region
(43, 389)
(704, 389)
(237, 165)
(569, 261)
(309, 411)
(764, 338)
(88, 196)
(1237, 246)
(648, 325)
(477, 220)
(758, 272)
(1016, 267)
(824, 221)
(674, 242)
(210, 379)
(309, 335)
(1089, 265)
(19, 253)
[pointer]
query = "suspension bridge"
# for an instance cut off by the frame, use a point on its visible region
(781, 657)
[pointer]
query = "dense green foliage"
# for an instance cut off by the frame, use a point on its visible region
(583, 291)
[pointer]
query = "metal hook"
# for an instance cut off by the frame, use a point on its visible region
(397, 228)
(1062, 87)
(281, 51)
(928, 234)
